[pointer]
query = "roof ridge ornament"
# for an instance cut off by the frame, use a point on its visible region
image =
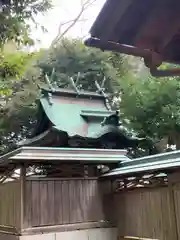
(113, 119)
(49, 83)
(100, 89)
(73, 84)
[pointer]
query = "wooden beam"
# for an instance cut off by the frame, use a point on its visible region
(137, 238)
(67, 227)
(22, 186)
(116, 47)
(7, 174)
(9, 230)
(36, 178)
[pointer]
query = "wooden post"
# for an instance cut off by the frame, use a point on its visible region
(22, 186)
(174, 227)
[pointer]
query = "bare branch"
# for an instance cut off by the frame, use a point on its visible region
(85, 4)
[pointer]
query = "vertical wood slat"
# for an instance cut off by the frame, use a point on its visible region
(65, 202)
(58, 203)
(28, 204)
(174, 226)
(55, 202)
(43, 203)
(36, 203)
(176, 191)
(22, 194)
(145, 213)
(51, 206)
(10, 204)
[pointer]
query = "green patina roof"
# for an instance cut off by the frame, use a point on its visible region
(74, 118)
(83, 115)
(158, 162)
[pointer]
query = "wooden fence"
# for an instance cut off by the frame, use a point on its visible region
(55, 202)
(10, 204)
(152, 213)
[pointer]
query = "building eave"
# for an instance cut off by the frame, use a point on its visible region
(147, 29)
(44, 155)
(155, 163)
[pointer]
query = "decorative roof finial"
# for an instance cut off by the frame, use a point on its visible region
(100, 89)
(49, 83)
(73, 84)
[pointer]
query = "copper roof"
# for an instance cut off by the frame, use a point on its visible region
(43, 155)
(163, 162)
(150, 28)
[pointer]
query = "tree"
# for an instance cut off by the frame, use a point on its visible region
(152, 107)
(72, 59)
(14, 16)
(65, 27)
(18, 91)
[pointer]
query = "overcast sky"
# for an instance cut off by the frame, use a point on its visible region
(63, 11)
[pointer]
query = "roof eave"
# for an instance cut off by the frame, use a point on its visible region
(40, 155)
(155, 163)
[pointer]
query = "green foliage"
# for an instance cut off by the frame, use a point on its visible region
(72, 57)
(153, 106)
(13, 18)
(13, 66)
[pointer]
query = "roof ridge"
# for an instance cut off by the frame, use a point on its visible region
(62, 91)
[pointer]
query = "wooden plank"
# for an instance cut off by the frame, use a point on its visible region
(67, 227)
(93, 206)
(9, 230)
(28, 205)
(65, 201)
(75, 206)
(6, 236)
(72, 202)
(35, 204)
(23, 192)
(58, 202)
(176, 196)
(35, 178)
(136, 238)
(10, 210)
(145, 213)
(43, 203)
(87, 202)
(81, 200)
(50, 203)
(78, 191)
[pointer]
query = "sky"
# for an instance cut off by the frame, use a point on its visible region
(63, 11)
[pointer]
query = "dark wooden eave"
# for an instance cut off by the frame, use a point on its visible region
(148, 29)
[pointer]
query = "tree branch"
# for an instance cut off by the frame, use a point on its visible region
(84, 6)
